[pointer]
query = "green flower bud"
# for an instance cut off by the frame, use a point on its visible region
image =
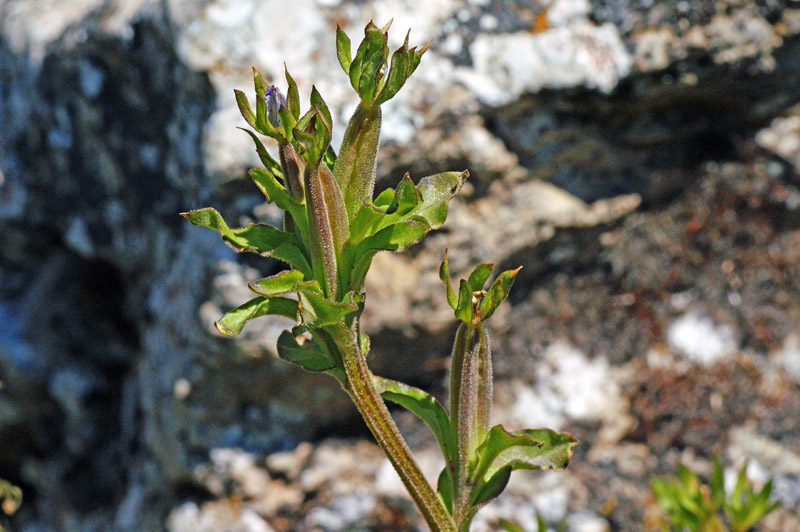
(328, 227)
(470, 399)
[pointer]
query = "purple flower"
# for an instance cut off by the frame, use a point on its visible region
(275, 102)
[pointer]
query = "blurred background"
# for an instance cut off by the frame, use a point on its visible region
(640, 159)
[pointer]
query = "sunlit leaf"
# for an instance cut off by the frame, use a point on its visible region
(233, 321)
(425, 406)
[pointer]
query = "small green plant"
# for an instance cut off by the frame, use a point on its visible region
(541, 525)
(333, 227)
(10, 498)
(691, 505)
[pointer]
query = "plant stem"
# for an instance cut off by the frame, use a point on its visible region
(380, 423)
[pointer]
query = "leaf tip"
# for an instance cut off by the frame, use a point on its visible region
(224, 330)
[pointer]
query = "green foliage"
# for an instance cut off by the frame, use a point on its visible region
(541, 525)
(332, 229)
(10, 498)
(691, 505)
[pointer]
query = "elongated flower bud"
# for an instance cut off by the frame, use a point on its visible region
(328, 227)
(356, 164)
(470, 397)
(292, 167)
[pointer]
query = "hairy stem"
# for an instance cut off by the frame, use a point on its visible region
(380, 423)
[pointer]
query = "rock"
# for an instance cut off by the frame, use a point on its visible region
(118, 115)
(215, 517)
(700, 340)
(782, 137)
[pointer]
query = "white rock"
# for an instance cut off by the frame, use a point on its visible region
(343, 511)
(508, 65)
(215, 517)
(569, 385)
(789, 357)
(699, 339)
(586, 521)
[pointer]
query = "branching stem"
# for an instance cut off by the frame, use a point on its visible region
(380, 422)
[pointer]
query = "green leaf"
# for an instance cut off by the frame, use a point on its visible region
(404, 63)
(717, 484)
(444, 275)
(277, 193)
(479, 276)
(369, 60)
(490, 488)
(424, 406)
(317, 311)
(497, 293)
(316, 100)
(329, 158)
(244, 108)
(256, 238)
(435, 191)
(464, 305)
(397, 237)
(508, 526)
(277, 285)
(524, 449)
(232, 322)
(310, 356)
(269, 163)
(343, 49)
(445, 488)
(292, 95)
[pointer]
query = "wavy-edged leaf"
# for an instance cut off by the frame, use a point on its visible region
(524, 449)
(277, 194)
(424, 406)
(503, 452)
(432, 192)
(397, 237)
(310, 356)
(232, 322)
(269, 163)
(277, 285)
(497, 293)
(316, 311)
(256, 238)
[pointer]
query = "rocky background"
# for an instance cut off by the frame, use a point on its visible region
(640, 159)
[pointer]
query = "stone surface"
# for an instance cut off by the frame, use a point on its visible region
(638, 158)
